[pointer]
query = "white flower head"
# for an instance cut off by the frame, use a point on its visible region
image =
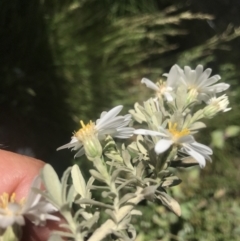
(165, 88)
(34, 208)
(215, 105)
(183, 138)
(108, 124)
(199, 81)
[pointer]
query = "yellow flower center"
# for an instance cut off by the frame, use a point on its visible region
(8, 201)
(172, 128)
(162, 86)
(86, 132)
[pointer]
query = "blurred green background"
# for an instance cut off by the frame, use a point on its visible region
(66, 60)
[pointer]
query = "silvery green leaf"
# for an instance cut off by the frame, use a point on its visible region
(65, 185)
(140, 169)
(187, 121)
(63, 234)
(94, 219)
(108, 194)
(116, 172)
(136, 212)
(169, 202)
(93, 202)
(197, 116)
(113, 156)
(181, 95)
(77, 214)
(125, 221)
(86, 215)
(126, 183)
(126, 198)
(137, 114)
(126, 158)
(171, 181)
(184, 162)
(52, 184)
(47, 196)
(78, 180)
(97, 175)
(90, 182)
(140, 145)
(157, 119)
(111, 214)
(151, 181)
(164, 173)
(131, 232)
(149, 192)
(71, 194)
(165, 123)
(197, 125)
(55, 237)
(133, 147)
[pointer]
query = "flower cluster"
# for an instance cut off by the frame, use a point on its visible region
(35, 208)
(126, 174)
(184, 88)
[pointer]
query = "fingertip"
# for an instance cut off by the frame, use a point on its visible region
(17, 172)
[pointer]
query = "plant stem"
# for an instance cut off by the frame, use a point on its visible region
(107, 227)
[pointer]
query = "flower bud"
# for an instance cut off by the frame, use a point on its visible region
(93, 147)
(216, 105)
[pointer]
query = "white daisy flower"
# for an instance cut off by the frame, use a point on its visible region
(165, 88)
(215, 105)
(183, 138)
(108, 124)
(34, 208)
(199, 81)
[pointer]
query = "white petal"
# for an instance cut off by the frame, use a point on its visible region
(149, 84)
(72, 143)
(173, 76)
(80, 152)
(186, 139)
(109, 115)
(6, 221)
(198, 71)
(162, 145)
(204, 76)
(210, 81)
(113, 123)
(197, 156)
(168, 96)
(218, 87)
(202, 148)
(33, 197)
(148, 132)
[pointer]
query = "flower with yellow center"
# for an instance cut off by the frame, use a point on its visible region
(165, 88)
(87, 138)
(176, 134)
(199, 82)
(87, 135)
(33, 207)
(10, 210)
(178, 137)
